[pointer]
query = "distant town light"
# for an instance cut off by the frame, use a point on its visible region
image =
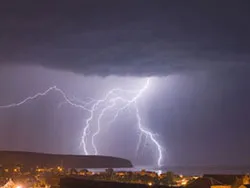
(159, 172)
(150, 183)
(184, 182)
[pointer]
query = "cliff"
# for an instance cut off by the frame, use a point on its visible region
(31, 159)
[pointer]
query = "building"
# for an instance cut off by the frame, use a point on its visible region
(206, 182)
(234, 180)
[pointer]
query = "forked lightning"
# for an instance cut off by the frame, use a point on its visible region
(114, 102)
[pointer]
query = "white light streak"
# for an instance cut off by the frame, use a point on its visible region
(54, 88)
(151, 136)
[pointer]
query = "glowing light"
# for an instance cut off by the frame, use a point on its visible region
(150, 183)
(59, 168)
(184, 181)
(159, 172)
(116, 100)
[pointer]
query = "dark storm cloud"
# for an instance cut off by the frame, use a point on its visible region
(114, 37)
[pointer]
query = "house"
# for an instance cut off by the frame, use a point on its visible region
(207, 182)
(9, 184)
(234, 180)
(245, 186)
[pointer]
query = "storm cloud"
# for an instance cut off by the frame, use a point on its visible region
(135, 38)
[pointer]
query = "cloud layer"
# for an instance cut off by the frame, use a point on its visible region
(104, 38)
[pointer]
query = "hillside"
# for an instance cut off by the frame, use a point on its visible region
(31, 159)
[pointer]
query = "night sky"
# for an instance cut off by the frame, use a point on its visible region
(197, 52)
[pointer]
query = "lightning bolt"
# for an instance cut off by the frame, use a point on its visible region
(150, 135)
(54, 88)
(99, 122)
(113, 101)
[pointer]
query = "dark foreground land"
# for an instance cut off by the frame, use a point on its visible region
(79, 183)
(31, 159)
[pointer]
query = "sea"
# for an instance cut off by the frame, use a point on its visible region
(188, 171)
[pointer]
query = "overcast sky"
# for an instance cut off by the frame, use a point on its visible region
(198, 53)
(111, 37)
